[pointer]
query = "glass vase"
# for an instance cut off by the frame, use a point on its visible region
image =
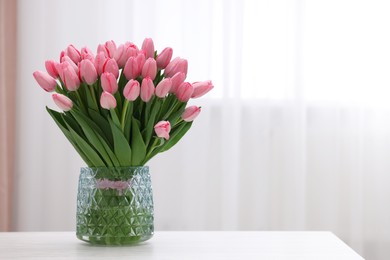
(114, 205)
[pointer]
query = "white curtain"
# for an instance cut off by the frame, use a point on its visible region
(295, 135)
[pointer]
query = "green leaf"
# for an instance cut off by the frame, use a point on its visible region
(176, 136)
(151, 122)
(69, 120)
(115, 118)
(60, 90)
(177, 114)
(137, 144)
(57, 117)
(103, 125)
(91, 130)
(128, 118)
(168, 105)
(121, 146)
(91, 99)
(87, 150)
(118, 98)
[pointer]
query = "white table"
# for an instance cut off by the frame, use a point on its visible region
(181, 246)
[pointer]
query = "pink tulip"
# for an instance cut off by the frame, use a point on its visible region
(130, 50)
(109, 83)
(201, 88)
(102, 48)
(148, 47)
(120, 56)
(100, 59)
(164, 58)
(110, 48)
(51, 68)
(177, 80)
(71, 63)
(131, 90)
(175, 66)
(73, 53)
(62, 54)
(184, 91)
(190, 113)
(63, 102)
(87, 54)
(111, 66)
(141, 60)
(131, 69)
(69, 76)
(163, 87)
(149, 69)
(124, 52)
(60, 67)
(88, 72)
(107, 100)
(45, 81)
(132, 46)
(162, 129)
(147, 89)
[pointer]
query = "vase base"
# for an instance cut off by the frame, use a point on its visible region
(114, 241)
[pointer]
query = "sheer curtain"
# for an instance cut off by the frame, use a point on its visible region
(295, 135)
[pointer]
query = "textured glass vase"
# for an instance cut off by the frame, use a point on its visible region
(115, 205)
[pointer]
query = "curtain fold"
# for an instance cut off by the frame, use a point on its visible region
(7, 109)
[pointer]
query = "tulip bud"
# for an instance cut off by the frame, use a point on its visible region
(147, 89)
(140, 60)
(110, 48)
(88, 72)
(131, 90)
(107, 101)
(73, 54)
(109, 83)
(111, 66)
(163, 87)
(51, 68)
(175, 66)
(184, 91)
(131, 69)
(63, 102)
(177, 79)
(132, 46)
(71, 79)
(45, 81)
(162, 129)
(68, 75)
(100, 59)
(164, 58)
(102, 48)
(148, 47)
(87, 54)
(149, 69)
(131, 50)
(190, 113)
(120, 56)
(62, 54)
(71, 63)
(201, 88)
(60, 67)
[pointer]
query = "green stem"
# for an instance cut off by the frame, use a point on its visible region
(124, 111)
(82, 105)
(91, 88)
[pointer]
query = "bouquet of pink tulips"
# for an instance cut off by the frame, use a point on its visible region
(124, 105)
